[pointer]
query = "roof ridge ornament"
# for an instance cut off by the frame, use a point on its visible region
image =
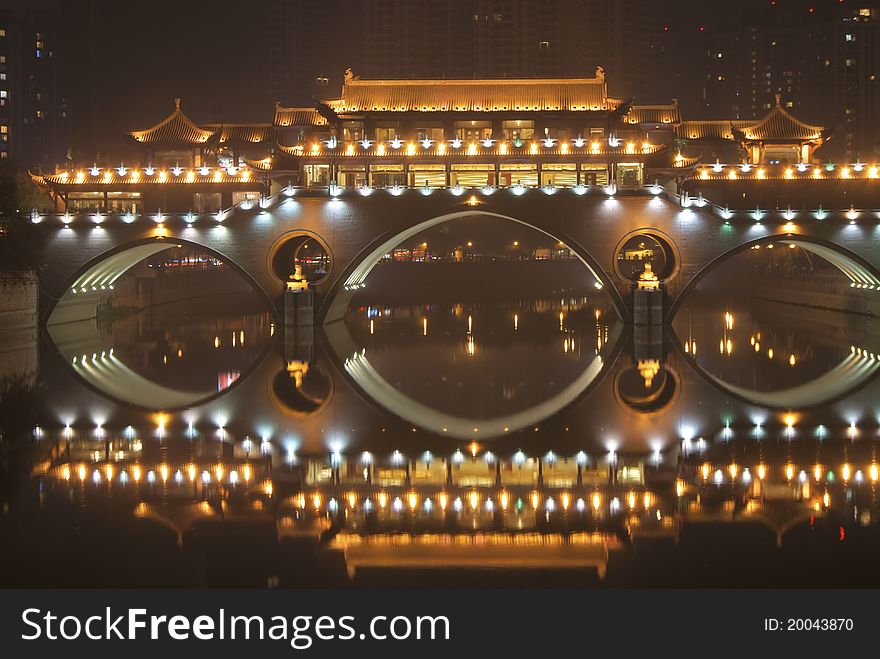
(177, 103)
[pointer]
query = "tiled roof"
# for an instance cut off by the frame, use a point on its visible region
(297, 117)
(654, 114)
(780, 125)
(695, 130)
(242, 133)
(176, 127)
(777, 125)
(489, 95)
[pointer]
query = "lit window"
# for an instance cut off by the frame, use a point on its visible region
(2, 32)
(543, 45)
(850, 37)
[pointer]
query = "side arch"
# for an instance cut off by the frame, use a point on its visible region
(337, 298)
(860, 272)
(90, 282)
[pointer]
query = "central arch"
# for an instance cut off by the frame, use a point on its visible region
(339, 296)
(860, 273)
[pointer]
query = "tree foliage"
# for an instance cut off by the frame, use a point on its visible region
(19, 239)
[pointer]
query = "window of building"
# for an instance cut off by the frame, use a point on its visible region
(206, 202)
(518, 173)
(387, 131)
(594, 174)
(629, 175)
(352, 131)
(543, 45)
(472, 174)
(352, 176)
(433, 133)
(517, 128)
(244, 195)
(2, 32)
(316, 175)
(596, 133)
(386, 176)
(430, 175)
(473, 130)
(124, 202)
(321, 81)
(562, 175)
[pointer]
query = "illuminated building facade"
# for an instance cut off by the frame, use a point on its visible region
(426, 134)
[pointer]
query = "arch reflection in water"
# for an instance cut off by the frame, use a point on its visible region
(172, 357)
(476, 371)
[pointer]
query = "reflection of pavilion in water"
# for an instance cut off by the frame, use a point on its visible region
(472, 509)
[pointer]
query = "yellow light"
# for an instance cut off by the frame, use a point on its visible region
(246, 473)
(563, 149)
(790, 420)
(533, 149)
(631, 499)
(474, 500)
(845, 472)
(268, 488)
(245, 175)
(566, 500)
(163, 471)
(762, 472)
(704, 174)
(502, 149)
(732, 175)
(383, 499)
(770, 353)
(872, 470)
(163, 176)
(380, 149)
(646, 500)
(873, 172)
(845, 173)
(443, 499)
(817, 472)
(596, 500)
(413, 499)
(472, 149)
(65, 473)
(817, 173)
(410, 149)
(349, 150)
(191, 472)
(761, 173)
(791, 360)
(826, 500)
(136, 473)
(474, 447)
(218, 176)
(594, 147)
(190, 176)
(535, 500)
(81, 472)
(504, 499)
(705, 469)
(441, 149)
(316, 501)
(109, 471)
(316, 147)
(630, 148)
(107, 177)
(789, 173)
(733, 469)
(218, 472)
(301, 501)
(352, 499)
(679, 487)
(473, 201)
(80, 177)
(789, 471)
